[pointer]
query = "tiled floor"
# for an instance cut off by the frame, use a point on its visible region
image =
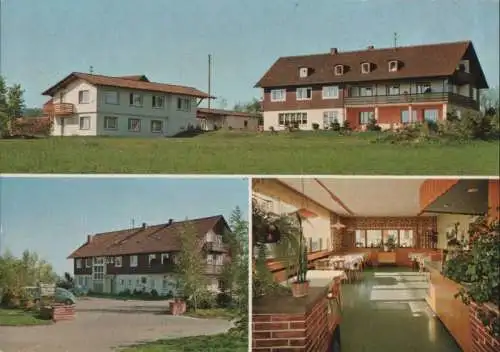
(386, 312)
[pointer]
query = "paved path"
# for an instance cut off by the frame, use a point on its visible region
(103, 324)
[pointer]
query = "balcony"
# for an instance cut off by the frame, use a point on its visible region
(212, 269)
(215, 247)
(413, 98)
(60, 109)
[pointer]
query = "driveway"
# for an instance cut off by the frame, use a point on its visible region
(104, 324)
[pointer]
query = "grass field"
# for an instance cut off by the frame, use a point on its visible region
(247, 153)
(218, 343)
(18, 317)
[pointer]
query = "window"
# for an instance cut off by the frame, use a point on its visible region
(184, 104)
(365, 91)
(360, 238)
(88, 262)
(406, 238)
(373, 238)
(303, 72)
(304, 93)
(78, 263)
(156, 126)
(393, 90)
(331, 92)
(135, 99)
(158, 101)
(164, 258)
(339, 70)
(431, 115)
(365, 67)
(405, 116)
(122, 283)
(85, 122)
(330, 117)
(133, 261)
(111, 98)
(423, 88)
(118, 262)
(210, 259)
(294, 118)
(153, 283)
(130, 283)
(365, 117)
(83, 97)
(164, 284)
(134, 125)
(151, 257)
(393, 66)
(278, 95)
(110, 123)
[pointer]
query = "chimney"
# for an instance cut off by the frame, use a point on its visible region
(170, 221)
(89, 238)
(370, 47)
(334, 51)
(144, 225)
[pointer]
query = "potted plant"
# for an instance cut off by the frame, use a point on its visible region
(390, 244)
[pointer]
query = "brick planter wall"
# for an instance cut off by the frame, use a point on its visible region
(177, 307)
(58, 312)
(482, 340)
(310, 331)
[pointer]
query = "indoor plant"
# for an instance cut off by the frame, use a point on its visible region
(390, 244)
(300, 286)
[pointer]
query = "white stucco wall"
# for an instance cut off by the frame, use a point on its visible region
(271, 118)
(446, 222)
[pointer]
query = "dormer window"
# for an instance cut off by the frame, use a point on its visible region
(365, 67)
(393, 66)
(339, 70)
(303, 72)
(464, 66)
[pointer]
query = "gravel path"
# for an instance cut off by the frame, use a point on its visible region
(102, 325)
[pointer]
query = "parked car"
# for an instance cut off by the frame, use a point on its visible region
(61, 295)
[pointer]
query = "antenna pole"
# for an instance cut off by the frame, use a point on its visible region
(209, 80)
(395, 40)
(91, 69)
(1, 25)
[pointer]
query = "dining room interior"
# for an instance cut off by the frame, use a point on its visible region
(368, 264)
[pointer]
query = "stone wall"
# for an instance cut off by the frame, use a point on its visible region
(482, 339)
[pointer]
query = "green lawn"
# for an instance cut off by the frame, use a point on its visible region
(246, 153)
(217, 343)
(18, 317)
(213, 313)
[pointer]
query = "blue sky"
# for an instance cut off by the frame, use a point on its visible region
(169, 40)
(53, 216)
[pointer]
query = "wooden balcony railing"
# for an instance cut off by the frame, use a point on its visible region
(412, 98)
(60, 109)
(213, 269)
(215, 246)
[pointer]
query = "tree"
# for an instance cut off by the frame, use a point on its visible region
(222, 103)
(191, 265)
(16, 273)
(3, 106)
(235, 273)
(15, 101)
(252, 107)
(32, 112)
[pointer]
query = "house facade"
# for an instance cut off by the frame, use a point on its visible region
(214, 119)
(394, 86)
(94, 105)
(146, 258)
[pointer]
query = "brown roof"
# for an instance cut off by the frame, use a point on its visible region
(431, 60)
(152, 239)
(205, 111)
(136, 78)
(126, 82)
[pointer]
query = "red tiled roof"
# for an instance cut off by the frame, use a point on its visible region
(205, 111)
(127, 82)
(152, 239)
(432, 60)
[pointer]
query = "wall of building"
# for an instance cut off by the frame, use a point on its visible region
(271, 118)
(291, 102)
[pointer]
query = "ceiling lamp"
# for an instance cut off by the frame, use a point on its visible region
(472, 190)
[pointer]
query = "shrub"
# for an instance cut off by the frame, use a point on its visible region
(32, 127)
(170, 294)
(372, 125)
(154, 293)
(204, 300)
(335, 125)
(137, 292)
(315, 126)
(224, 300)
(125, 292)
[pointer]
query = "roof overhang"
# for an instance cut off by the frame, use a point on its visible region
(464, 196)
